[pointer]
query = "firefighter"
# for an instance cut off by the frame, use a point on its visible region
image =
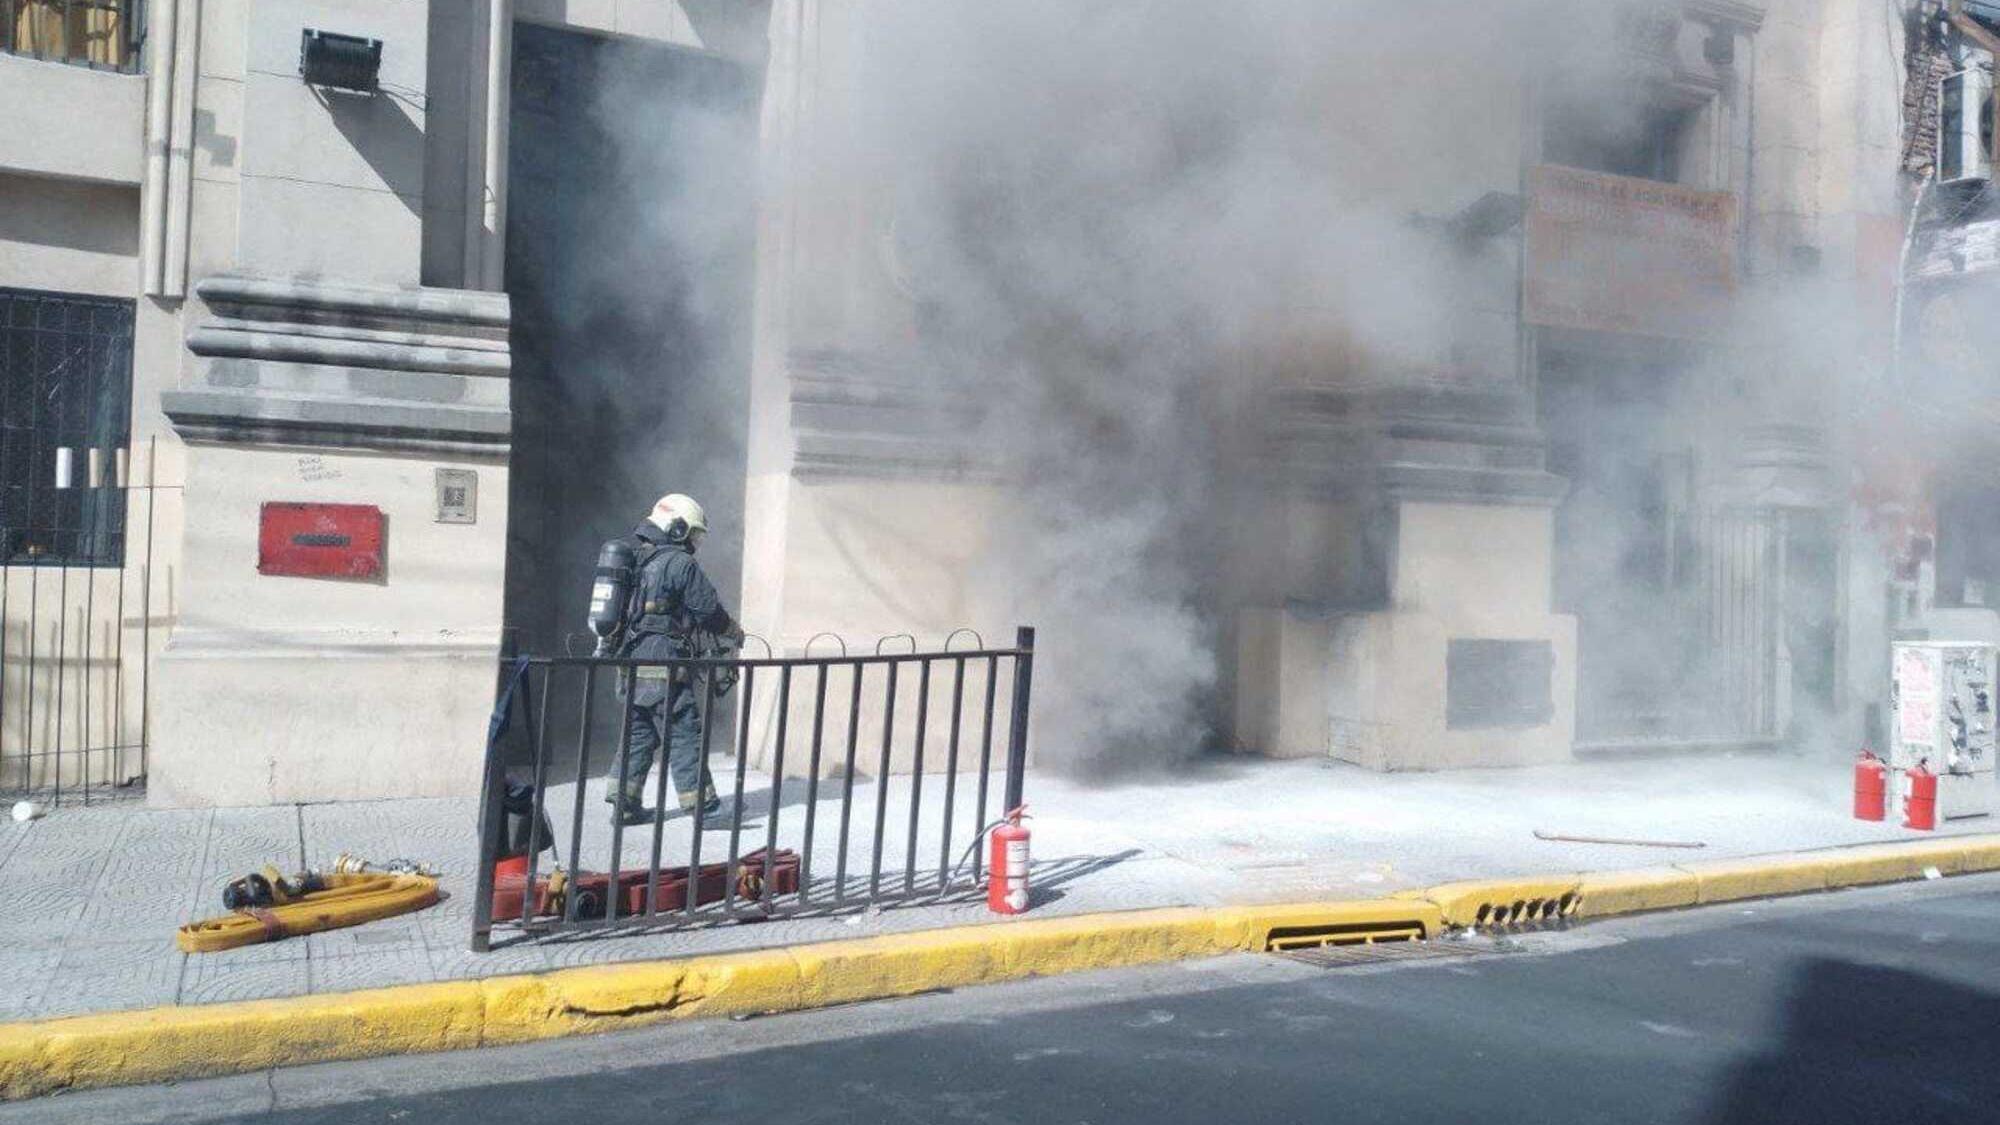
(671, 611)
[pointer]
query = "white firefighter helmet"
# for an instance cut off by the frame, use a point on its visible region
(675, 507)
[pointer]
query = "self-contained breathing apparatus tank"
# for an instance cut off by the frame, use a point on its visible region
(611, 593)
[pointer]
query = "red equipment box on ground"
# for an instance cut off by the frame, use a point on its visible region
(319, 540)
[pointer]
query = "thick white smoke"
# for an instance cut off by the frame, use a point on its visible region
(1118, 223)
(1117, 219)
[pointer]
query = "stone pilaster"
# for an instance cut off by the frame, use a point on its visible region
(275, 688)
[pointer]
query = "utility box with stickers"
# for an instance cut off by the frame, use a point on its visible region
(1942, 700)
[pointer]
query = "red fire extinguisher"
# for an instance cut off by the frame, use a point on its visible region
(1871, 787)
(1007, 865)
(1920, 804)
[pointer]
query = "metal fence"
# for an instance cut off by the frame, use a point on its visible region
(778, 713)
(103, 34)
(76, 628)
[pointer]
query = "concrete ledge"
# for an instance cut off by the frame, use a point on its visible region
(186, 1042)
(71, 122)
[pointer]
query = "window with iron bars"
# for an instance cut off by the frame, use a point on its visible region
(101, 34)
(65, 422)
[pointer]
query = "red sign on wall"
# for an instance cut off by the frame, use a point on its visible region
(320, 540)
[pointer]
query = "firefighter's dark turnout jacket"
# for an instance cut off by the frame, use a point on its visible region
(672, 600)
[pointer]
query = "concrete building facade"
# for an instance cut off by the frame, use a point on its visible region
(1607, 515)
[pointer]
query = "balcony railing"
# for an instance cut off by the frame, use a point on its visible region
(101, 34)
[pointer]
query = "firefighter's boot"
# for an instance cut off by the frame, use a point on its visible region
(628, 807)
(711, 812)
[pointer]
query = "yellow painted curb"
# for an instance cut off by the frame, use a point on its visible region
(1981, 853)
(522, 1009)
(1264, 927)
(1506, 902)
(180, 1042)
(116, 1048)
(1635, 892)
(903, 964)
(1727, 880)
(1891, 863)
(185, 1042)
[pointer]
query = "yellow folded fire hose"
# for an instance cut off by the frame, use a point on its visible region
(338, 900)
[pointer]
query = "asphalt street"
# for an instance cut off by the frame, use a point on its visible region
(1866, 1006)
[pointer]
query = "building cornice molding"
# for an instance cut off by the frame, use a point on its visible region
(305, 362)
(1452, 484)
(213, 417)
(309, 299)
(864, 416)
(1744, 17)
(1415, 440)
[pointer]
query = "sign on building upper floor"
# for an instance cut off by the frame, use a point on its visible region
(1622, 255)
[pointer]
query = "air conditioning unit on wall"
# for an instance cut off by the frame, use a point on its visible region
(1965, 126)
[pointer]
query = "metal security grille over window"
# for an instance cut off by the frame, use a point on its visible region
(102, 34)
(875, 780)
(65, 422)
(65, 427)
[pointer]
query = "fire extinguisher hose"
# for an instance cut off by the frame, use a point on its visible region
(977, 837)
(348, 900)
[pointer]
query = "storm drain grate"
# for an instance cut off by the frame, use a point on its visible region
(1284, 938)
(1345, 956)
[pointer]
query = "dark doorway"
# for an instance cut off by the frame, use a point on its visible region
(630, 231)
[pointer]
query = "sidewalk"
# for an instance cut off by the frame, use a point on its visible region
(93, 895)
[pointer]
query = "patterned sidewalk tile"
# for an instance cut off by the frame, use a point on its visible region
(217, 977)
(457, 962)
(26, 968)
(383, 938)
(379, 969)
(41, 910)
(100, 976)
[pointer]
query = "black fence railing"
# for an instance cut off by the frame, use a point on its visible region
(102, 34)
(77, 582)
(844, 809)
